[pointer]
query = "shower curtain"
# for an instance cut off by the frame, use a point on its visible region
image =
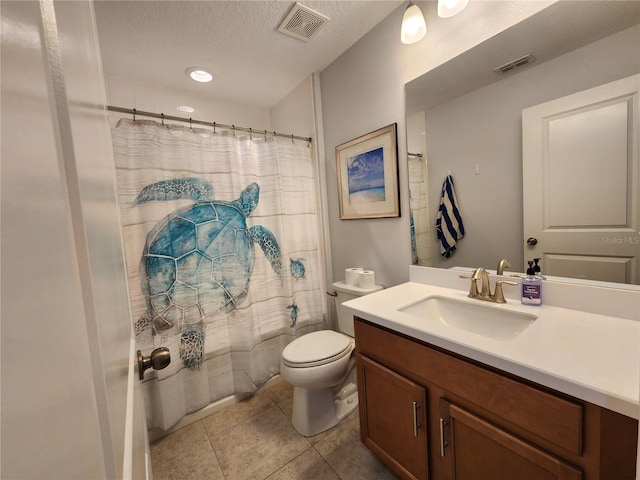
(419, 210)
(221, 238)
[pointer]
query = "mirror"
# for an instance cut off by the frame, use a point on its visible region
(465, 119)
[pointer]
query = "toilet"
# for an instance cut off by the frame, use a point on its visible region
(321, 367)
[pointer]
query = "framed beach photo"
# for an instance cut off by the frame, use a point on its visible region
(367, 170)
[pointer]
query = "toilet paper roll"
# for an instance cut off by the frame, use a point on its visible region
(352, 275)
(367, 279)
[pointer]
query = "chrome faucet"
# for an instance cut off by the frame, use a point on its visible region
(485, 286)
(504, 263)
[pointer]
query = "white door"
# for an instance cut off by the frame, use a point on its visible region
(581, 181)
(71, 405)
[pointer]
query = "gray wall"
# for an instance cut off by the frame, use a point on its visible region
(484, 128)
(362, 91)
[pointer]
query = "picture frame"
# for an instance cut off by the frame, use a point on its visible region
(367, 173)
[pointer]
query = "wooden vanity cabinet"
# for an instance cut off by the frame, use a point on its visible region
(430, 414)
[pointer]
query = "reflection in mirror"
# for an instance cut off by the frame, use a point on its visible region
(465, 118)
(418, 210)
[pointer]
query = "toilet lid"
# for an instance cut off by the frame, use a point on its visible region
(316, 348)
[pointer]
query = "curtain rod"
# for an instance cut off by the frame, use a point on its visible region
(163, 117)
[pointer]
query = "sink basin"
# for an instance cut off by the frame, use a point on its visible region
(473, 316)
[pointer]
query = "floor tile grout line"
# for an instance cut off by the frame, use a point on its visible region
(326, 461)
(272, 404)
(280, 401)
(213, 450)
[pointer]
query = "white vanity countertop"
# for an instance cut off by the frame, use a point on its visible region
(590, 356)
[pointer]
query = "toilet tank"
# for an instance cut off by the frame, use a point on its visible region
(345, 292)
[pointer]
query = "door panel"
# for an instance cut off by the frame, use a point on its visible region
(580, 167)
(68, 391)
(137, 455)
(121, 414)
(395, 426)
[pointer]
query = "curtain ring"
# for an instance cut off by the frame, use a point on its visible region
(190, 127)
(250, 134)
(292, 142)
(265, 135)
(134, 115)
(214, 127)
(308, 142)
(162, 117)
(233, 127)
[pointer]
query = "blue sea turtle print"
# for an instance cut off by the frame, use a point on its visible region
(297, 268)
(294, 314)
(198, 261)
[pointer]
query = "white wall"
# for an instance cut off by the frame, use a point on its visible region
(484, 128)
(294, 113)
(129, 94)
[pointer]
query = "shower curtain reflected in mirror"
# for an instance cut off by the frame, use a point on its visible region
(221, 238)
(419, 210)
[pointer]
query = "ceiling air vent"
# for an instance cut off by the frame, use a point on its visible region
(518, 62)
(302, 22)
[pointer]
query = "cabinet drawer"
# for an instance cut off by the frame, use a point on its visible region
(534, 413)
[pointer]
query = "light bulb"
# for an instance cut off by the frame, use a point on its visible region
(199, 74)
(414, 27)
(449, 8)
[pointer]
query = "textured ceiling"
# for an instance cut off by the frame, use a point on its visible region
(153, 42)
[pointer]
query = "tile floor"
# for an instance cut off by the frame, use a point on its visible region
(254, 440)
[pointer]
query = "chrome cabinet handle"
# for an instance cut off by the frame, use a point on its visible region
(416, 425)
(443, 443)
(158, 360)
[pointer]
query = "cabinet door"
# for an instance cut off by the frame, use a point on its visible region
(393, 418)
(474, 449)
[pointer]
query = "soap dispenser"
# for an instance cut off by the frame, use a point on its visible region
(537, 270)
(531, 287)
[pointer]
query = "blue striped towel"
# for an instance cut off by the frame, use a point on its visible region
(449, 227)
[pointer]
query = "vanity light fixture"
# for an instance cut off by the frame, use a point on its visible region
(414, 27)
(449, 8)
(199, 74)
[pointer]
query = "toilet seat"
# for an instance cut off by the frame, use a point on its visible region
(316, 348)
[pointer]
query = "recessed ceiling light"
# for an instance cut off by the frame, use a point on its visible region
(199, 74)
(186, 109)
